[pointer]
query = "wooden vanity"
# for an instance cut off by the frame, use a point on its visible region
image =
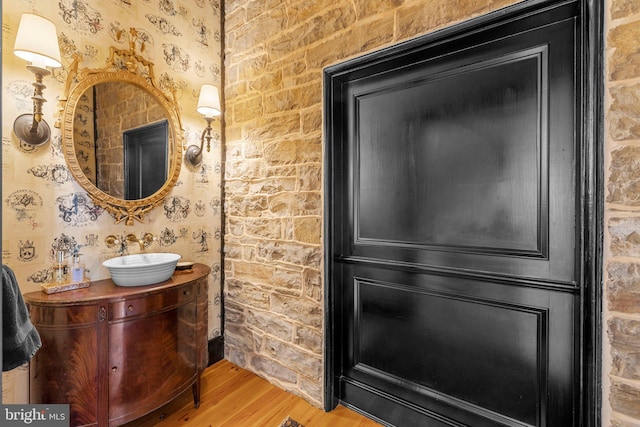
(116, 353)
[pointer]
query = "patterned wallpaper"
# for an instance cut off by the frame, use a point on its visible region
(84, 133)
(44, 209)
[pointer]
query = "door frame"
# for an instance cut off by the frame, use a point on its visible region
(591, 175)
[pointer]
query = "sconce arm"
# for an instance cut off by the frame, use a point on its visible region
(31, 128)
(193, 155)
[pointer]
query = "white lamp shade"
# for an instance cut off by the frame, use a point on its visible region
(209, 101)
(37, 41)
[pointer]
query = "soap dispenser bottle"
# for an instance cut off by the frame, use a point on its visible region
(77, 269)
(60, 268)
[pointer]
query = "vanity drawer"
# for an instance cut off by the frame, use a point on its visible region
(152, 303)
(71, 316)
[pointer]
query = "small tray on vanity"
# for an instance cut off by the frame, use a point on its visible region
(184, 265)
(54, 288)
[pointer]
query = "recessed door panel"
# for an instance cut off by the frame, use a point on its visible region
(461, 156)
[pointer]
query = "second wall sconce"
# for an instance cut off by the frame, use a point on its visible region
(37, 43)
(209, 107)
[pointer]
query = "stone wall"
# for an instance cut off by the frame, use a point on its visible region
(621, 366)
(275, 52)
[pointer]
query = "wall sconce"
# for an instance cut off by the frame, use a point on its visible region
(37, 43)
(209, 107)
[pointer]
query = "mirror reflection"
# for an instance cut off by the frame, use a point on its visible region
(121, 139)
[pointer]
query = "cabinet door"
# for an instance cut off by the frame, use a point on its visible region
(64, 369)
(203, 323)
(152, 360)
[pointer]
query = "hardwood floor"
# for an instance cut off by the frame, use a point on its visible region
(234, 397)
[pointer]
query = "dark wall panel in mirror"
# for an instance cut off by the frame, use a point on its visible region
(145, 160)
(455, 159)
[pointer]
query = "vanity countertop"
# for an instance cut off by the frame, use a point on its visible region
(106, 289)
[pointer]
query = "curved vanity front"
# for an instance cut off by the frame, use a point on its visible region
(117, 353)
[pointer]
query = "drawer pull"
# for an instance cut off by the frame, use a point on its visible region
(130, 308)
(114, 369)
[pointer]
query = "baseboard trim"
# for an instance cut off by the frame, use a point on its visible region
(216, 350)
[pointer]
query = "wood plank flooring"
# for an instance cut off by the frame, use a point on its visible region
(234, 397)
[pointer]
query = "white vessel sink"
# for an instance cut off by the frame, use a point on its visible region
(141, 269)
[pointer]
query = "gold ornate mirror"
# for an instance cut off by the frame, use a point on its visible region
(122, 135)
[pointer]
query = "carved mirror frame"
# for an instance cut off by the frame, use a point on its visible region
(123, 65)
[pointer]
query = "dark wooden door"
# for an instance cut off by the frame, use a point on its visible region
(146, 154)
(456, 260)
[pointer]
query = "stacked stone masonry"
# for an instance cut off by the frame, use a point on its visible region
(275, 52)
(621, 355)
